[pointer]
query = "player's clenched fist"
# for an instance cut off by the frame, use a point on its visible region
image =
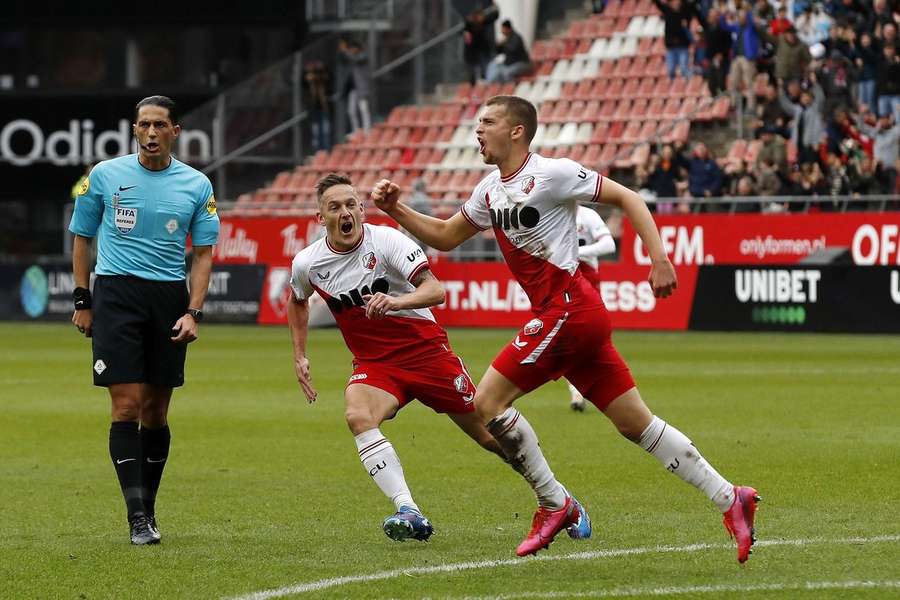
(662, 278)
(385, 194)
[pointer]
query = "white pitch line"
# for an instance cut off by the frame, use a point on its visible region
(323, 584)
(697, 589)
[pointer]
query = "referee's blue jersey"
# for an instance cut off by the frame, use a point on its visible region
(142, 218)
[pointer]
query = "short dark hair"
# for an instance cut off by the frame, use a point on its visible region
(162, 102)
(520, 112)
(507, 23)
(329, 181)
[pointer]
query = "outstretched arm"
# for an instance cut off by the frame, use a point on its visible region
(662, 273)
(443, 234)
(298, 322)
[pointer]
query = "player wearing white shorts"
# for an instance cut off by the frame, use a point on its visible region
(594, 241)
(377, 283)
(530, 203)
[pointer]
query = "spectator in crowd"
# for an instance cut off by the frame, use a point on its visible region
(478, 46)
(772, 152)
(851, 12)
(867, 59)
(889, 35)
(769, 112)
(836, 79)
(807, 125)
(887, 138)
(733, 171)
(791, 55)
(863, 177)
(358, 84)
(746, 51)
(840, 38)
(746, 188)
(704, 174)
(780, 23)
(837, 180)
(677, 16)
(888, 81)
(317, 102)
(769, 181)
(812, 181)
(718, 52)
(516, 60)
(665, 175)
(813, 25)
(880, 15)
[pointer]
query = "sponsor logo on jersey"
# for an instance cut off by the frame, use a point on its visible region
(461, 383)
(211, 205)
(126, 218)
(411, 257)
(353, 298)
(528, 184)
(323, 277)
(85, 186)
(519, 344)
(369, 261)
(532, 327)
(515, 218)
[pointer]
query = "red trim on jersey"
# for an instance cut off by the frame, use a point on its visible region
(355, 246)
(466, 216)
(417, 270)
(401, 341)
(599, 186)
(506, 178)
(541, 279)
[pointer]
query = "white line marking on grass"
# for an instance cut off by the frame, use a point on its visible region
(697, 589)
(323, 584)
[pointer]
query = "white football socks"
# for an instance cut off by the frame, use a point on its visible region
(678, 455)
(576, 395)
(520, 444)
(382, 463)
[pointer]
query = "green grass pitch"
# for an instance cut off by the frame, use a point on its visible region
(263, 491)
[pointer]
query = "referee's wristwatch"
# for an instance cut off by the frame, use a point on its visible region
(196, 313)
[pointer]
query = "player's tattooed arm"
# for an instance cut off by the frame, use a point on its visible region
(429, 292)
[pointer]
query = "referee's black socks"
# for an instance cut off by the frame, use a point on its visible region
(125, 451)
(155, 449)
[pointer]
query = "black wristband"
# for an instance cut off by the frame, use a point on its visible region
(82, 298)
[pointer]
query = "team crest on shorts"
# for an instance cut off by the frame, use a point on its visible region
(126, 218)
(532, 327)
(369, 261)
(461, 383)
(528, 184)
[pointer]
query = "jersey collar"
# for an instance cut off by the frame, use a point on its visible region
(351, 250)
(517, 171)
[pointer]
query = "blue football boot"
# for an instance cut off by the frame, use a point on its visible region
(407, 524)
(581, 528)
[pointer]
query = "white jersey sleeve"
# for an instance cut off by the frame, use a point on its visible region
(475, 210)
(571, 181)
(402, 253)
(300, 276)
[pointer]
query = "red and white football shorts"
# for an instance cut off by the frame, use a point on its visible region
(442, 383)
(573, 344)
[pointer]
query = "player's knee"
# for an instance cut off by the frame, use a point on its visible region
(487, 406)
(359, 419)
(124, 409)
(631, 430)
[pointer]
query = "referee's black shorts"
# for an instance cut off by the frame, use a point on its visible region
(132, 327)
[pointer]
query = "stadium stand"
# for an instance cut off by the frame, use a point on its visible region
(602, 97)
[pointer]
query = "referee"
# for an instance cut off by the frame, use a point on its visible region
(140, 317)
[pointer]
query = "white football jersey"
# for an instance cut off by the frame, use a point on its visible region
(384, 260)
(590, 229)
(532, 212)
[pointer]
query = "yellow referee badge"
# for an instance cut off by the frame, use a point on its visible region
(85, 186)
(211, 205)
